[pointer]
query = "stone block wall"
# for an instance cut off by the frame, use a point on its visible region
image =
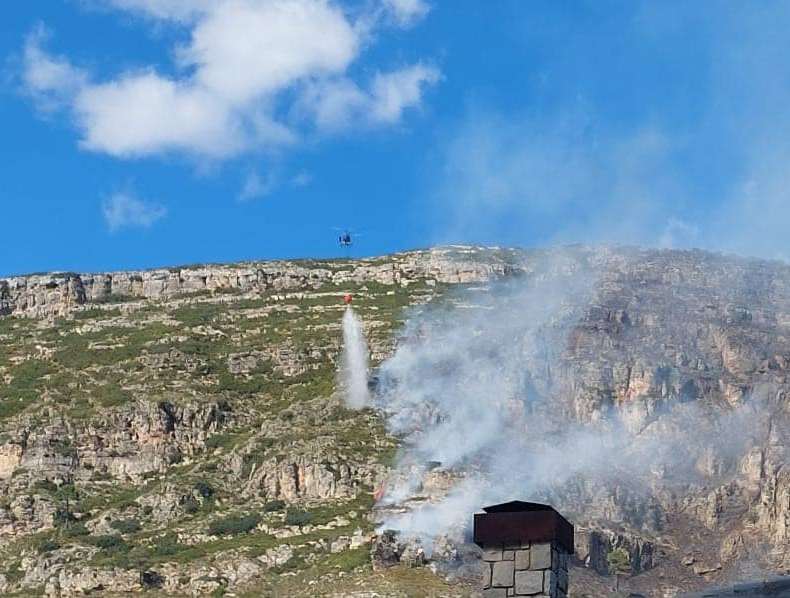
(525, 570)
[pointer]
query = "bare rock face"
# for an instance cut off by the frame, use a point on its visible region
(57, 294)
(593, 546)
(143, 438)
(93, 581)
(687, 351)
(10, 459)
(773, 512)
(304, 477)
(226, 414)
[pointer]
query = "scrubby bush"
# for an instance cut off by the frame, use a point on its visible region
(225, 441)
(94, 313)
(111, 543)
(274, 505)
(101, 476)
(75, 530)
(66, 492)
(45, 486)
(298, 517)
(112, 395)
(233, 525)
(197, 315)
(63, 518)
(167, 545)
(619, 561)
(47, 545)
(27, 379)
(114, 298)
(126, 526)
(190, 505)
(204, 489)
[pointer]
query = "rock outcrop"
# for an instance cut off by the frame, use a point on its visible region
(59, 293)
(180, 429)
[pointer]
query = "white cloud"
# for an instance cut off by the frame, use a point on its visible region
(334, 105)
(394, 92)
(340, 104)
(50, 80)
(245, 50)
(144, 114)
(407, 12)
(123, 210)
(245, 61)
(256, 186)
(178, 10)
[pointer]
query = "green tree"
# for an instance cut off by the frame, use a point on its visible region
(619, 562)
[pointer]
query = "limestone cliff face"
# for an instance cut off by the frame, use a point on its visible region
(689, 351)
(183, 399)
(57, 294)
(669, 329)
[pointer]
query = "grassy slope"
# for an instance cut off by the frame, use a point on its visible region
(94, 362)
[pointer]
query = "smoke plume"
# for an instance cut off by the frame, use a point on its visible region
(475, 392)
(354, 364)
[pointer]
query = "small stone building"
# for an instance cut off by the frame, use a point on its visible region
(526, 547)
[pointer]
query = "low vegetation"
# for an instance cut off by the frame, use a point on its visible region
(234, 525)
(154, 446)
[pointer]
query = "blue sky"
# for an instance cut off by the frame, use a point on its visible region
(142, 133)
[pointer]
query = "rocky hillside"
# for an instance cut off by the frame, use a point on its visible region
(179, 431)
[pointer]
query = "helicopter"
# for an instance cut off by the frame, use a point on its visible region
(346, 236)
(345, 239)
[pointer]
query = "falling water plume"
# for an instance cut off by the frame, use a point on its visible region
(354, 365)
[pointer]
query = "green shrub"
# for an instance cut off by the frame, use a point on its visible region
(29, 374)
(14, 573)
(65, 448)
(63, 518)
(239, 384)
(119, 298)
(298, 517)
(75, 530)
(111, 543)
(76, 354)
(112, 395)
(45, 486)
(204, 489)
(190, 505)
(66, 492)
(233, 525)
(198, 315)
(274, 505)
(167, 545)
(28, 378)
(47, 545)
(126, 526)
(619, 561)
(221, 441)
(94, 313)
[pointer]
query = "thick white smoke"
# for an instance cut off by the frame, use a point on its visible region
(473, 393)
(354, 364)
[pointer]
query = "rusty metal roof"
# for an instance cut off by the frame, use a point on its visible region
(517, 506)
(517, 522)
